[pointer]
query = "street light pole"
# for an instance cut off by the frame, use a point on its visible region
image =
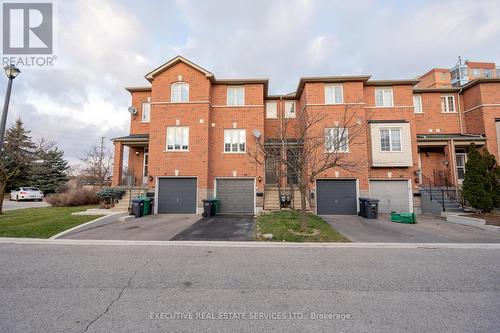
(11, 71)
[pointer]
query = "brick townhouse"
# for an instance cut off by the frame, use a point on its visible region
(194, 136)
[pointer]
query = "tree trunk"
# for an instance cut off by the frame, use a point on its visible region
(303, 211)
(2, 194)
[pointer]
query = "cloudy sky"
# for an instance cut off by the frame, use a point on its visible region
(105, 45)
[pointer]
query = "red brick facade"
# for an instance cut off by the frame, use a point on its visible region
(207, 115)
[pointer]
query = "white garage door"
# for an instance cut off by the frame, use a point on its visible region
(394, 195)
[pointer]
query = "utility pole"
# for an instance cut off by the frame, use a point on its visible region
(101, 161)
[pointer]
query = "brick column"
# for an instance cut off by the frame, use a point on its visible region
(118, 164)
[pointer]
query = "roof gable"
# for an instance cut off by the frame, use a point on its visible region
(150, 76)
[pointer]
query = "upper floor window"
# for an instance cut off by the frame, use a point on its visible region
(488, 73)
(289, 109)
(146, 111)
(417, 103)
(337, 140)
(390, 139)
(234, 140)
(179, 92)
(235, 95)
(178, 138)
(476, 72)
(334, 94)
(271, 109)
(448, 103)
(383, 97)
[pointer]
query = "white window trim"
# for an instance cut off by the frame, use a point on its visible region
(172, 92)
(383, 98)
(294, 108)
(400, 129)
(173, 149)
(333, 86)
(149, 112)
(332, 150)
(224, 142)
(446, 104)
(243, 95)
(419, 96)
(276, 109)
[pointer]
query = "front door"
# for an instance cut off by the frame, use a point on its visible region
(461, 159)
(145, 167)
(272, 166)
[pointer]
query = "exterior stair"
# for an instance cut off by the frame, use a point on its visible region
(435, 206)
(272, 200)
(124, 203)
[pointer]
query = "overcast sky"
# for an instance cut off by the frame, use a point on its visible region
(105, 45)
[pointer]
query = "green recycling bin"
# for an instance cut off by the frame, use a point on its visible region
(147, 203)
(216, 205)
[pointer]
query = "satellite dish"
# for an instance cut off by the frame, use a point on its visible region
(132, 110)
(256, 133)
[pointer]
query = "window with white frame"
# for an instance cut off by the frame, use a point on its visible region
(271, 109)
(146, 111)
(235, 95)
(383, 97)
(234, 140)
(179, 92)
(417, 103)
(390, 139)
(476, 72)
(178, 138)
(334, 94)
(337, 140)
(289, 109)
(488, 73)
(448, 103)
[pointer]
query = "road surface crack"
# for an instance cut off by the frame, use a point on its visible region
(116, 299)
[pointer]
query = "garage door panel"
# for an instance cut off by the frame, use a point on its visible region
(336, 197)
(236, 196)
(177, 195)
(393, 195)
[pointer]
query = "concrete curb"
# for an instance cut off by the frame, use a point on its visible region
(111, 218)
(39, 241)
(472, 222)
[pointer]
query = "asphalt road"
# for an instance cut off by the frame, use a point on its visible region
(83, 288)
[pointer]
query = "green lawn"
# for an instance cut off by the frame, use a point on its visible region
(41, 222)
(280, 223)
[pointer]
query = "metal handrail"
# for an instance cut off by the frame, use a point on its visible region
(429, 184)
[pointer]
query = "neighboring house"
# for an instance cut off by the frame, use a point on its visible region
(193, 138)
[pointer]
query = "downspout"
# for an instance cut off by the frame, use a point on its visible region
(459, 112)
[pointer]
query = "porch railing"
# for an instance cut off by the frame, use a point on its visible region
(440, 189)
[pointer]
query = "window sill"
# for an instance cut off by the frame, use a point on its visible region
(272, 118)
(235, 106)
(449, 112)
(341, 103)
(176, 151)
(234, 152)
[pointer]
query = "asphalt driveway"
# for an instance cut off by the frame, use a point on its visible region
(220, 228)
(429, 229)
(152, 227)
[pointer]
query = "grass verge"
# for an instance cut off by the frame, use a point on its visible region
(280, 223)
(41, 222)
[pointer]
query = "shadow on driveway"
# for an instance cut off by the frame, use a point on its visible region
(220, 228)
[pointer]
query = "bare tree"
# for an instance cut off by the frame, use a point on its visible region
(309, 149)
(97, 164)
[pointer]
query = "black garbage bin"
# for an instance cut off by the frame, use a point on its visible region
(151, 203)
(362, 207)
(208, 207)
(372, 208)
(137, 207)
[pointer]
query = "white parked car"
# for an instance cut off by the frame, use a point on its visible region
(26, 193)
